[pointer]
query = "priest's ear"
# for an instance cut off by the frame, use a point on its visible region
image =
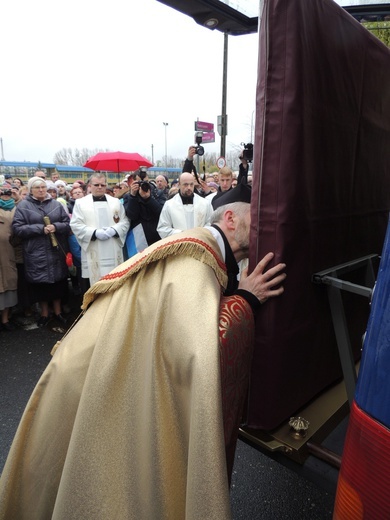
(230, 219)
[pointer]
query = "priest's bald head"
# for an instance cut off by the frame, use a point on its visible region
(186, 184)
(232, 215)
(234, 220)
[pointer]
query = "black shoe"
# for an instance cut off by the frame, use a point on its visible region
(43, 321)
(7, 326)
(61, 319)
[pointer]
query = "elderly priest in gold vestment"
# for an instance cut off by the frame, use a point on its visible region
(136, 415)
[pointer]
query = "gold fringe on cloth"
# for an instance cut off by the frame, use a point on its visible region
(198, 244)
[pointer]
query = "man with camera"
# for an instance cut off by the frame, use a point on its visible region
(201, 186)
(143, 211)
(196, 149)
(185, 210)
(189, 165)
(246, 157)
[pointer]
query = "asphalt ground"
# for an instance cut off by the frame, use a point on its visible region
(261, 487)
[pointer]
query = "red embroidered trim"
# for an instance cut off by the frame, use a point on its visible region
(118, 274)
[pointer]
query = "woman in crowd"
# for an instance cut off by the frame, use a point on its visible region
(23, 288)
(8, 272)
(23, 192)
(18, 182)
(40, 222)
(76, 192)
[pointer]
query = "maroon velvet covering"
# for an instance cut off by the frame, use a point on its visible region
(320, 192)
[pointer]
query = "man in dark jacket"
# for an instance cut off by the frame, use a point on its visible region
(189, 166)
(143, 210)
(162, 185)
(202, 188)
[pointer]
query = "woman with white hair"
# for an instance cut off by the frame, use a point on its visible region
(43, 226)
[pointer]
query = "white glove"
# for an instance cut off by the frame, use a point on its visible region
(110, 232)
(100, 234)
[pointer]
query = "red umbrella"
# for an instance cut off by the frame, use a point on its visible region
(117, 162)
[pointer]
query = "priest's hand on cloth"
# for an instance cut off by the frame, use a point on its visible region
(264, 284)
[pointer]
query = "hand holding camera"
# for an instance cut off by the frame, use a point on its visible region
(141, 187)
(247, 153)
(144, 186)
(198, 139)
(191, 153)
(134, 188)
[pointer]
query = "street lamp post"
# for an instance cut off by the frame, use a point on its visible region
(224, 95)
(166, 156)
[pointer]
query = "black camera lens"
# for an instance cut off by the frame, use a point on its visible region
(200, 150)
(145, 186)
(6, 192)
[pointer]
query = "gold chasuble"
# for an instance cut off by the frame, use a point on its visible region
(127, 421)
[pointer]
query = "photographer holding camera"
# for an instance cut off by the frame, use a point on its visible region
(201, 187)
(143, 210)
(195, 149)
(245, 157)
(189, 165)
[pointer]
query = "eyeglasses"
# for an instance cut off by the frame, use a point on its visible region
(99, 185)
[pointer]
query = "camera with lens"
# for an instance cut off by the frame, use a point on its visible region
(247, 153)
(143, 184)
(7, 191)
(198, 139)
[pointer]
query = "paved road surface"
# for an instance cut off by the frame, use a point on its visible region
(261, 487)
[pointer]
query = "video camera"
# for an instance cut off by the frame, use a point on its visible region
(6, 191)
(247, 153)
(198, 139)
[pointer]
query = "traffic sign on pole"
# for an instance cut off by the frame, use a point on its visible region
(221, 162)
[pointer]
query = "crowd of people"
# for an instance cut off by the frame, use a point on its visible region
(45, 219)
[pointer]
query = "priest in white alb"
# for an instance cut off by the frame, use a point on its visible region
(100, 225)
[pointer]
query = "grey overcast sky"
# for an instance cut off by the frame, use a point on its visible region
(94, 74)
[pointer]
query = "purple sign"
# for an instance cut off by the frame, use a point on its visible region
(204, 127)
(208, 137)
